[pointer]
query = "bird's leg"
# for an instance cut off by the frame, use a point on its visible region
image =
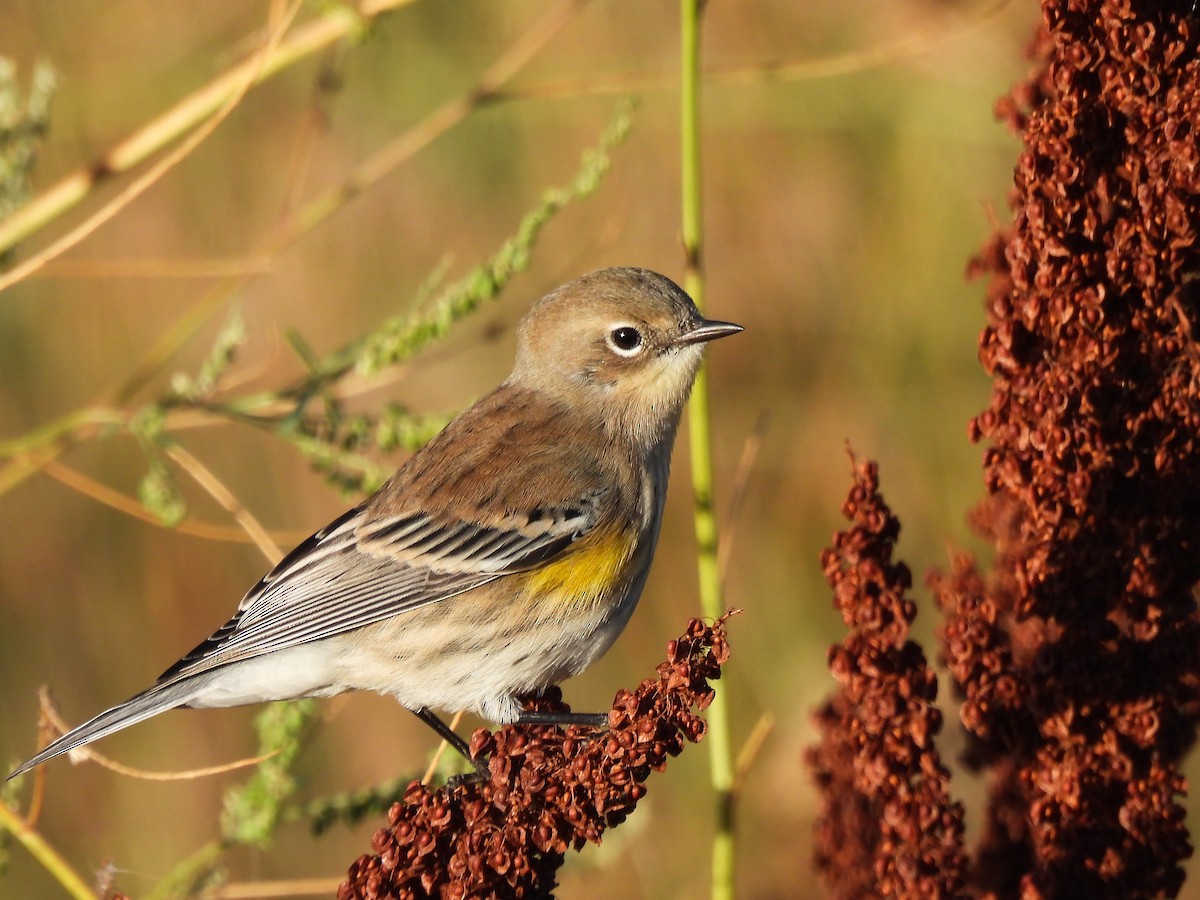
(446, 733)
(542, 717)
(528, 717)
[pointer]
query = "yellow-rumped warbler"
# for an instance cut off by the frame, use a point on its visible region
(502, 558)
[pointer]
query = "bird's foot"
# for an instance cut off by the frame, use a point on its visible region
(546, 717)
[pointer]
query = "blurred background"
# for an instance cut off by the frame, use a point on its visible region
(841, 204)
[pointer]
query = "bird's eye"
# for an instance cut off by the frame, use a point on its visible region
(625, 340)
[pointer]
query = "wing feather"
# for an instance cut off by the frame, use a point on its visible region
(354, 573)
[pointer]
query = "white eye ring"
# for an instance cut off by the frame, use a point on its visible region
(625, 340)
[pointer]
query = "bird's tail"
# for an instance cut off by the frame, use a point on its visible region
(136, 709)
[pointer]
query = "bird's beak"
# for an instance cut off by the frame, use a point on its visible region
(708, 330)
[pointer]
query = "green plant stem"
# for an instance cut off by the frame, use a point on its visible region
(700, 444)
(45, 854)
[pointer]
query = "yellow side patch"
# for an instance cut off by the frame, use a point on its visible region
(586, 573)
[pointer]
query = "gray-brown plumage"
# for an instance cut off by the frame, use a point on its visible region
(503, 557)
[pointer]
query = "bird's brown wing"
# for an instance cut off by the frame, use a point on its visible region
(361, 569)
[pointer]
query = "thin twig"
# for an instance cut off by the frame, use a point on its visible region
(204, 477)
(107, 762)
(146, 267)
(751, 750)
(50, 715)
(737, 491)
(123, 503)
